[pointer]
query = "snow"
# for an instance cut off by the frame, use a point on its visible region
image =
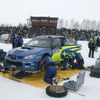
(90, 90)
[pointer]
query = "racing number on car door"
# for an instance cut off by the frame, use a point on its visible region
(56, 46)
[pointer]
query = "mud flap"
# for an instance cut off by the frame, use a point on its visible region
(19, 74)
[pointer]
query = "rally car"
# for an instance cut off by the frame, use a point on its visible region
(29, 56)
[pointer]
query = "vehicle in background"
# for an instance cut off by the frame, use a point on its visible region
(5, 37)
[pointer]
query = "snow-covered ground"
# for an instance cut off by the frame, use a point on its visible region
(12, 90)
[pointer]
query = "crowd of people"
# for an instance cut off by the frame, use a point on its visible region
(29, 32)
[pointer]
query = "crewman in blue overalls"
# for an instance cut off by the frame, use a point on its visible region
(79, 62)
(51, 69)
(18, 41)
(67, 55)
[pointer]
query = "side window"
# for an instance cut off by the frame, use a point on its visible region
(70, 41)
(56, 43)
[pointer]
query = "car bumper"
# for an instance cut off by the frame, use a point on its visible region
(23, 65)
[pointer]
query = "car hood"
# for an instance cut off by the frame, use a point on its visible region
(24, 51)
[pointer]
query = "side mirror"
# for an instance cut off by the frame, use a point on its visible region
(53, 46)
(60, 47)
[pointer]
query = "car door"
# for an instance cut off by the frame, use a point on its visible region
(56, 45)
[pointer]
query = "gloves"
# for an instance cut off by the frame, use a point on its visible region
(42, 62)
(76, 62)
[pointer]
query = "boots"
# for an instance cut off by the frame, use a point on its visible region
(54, 81)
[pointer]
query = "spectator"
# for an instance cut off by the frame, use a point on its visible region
(91, 46)
(12, 40)
(97, 44)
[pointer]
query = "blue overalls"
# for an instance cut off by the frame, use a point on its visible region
(67, 55)
(16, 40)
(80, 61)
(71, 61)
(51, 69)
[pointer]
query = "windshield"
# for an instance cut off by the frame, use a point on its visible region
(39, 42)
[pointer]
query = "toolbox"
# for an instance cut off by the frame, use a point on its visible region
(75, 85)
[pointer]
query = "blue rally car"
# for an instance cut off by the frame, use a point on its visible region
(29, 56)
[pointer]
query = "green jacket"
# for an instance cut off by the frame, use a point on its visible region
(93, 41)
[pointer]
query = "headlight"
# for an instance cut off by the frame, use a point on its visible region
(29, 57)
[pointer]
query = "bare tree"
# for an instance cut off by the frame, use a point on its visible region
(93, 25)
(87, 24)
(71, 26)
(61, 22)
(76, 25)
(98, 26)
(29, 24)
(66, 24)
(83, 25)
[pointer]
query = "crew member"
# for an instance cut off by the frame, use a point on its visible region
(67, 55)
(51, 69)
(79, 62)
(18, 41)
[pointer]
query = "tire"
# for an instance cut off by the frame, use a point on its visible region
(50, 90)
(95, 72)
(42, 67)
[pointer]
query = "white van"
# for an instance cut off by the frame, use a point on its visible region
(5, 37)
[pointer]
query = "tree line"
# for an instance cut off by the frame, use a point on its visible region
(85, 25)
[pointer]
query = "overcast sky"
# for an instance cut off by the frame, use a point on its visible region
(18, 11)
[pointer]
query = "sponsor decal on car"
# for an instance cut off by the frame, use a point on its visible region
(38, 56)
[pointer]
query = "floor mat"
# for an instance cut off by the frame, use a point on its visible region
(37, 78)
